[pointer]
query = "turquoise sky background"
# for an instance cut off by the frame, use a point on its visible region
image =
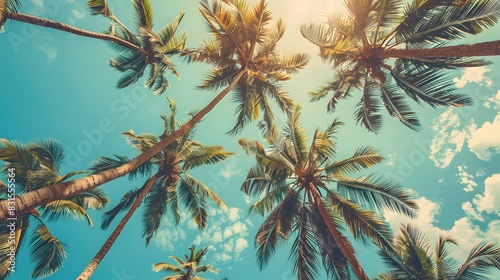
(58, 85)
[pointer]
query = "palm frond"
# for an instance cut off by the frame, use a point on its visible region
(364, 157)
(454, 22)
(204, 155)
(125, 203)
(144, 12)
(482, 258)
(99, 7)
(268, 202)
(64, 209)
(377, 193)
(396, 106)
(204, 191)
(304, 252)
(297, 136)
(195, 203)
(278, 225)
(364, 224)
(50, 152)
(368, 107)
(47, 252)
(166, 267)
(155, 207)
(429, 85)
(93, 199)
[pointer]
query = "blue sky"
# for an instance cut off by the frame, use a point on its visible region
(58, 85)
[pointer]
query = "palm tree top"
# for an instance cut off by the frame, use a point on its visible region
(188, 268)
(305, 191)
(416, 258)
(243, 41)
(361, 43)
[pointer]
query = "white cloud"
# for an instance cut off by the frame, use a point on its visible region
(465, 178)
(77, 13)
(489, 201)
(480, 173)
(392, 159)
(49, 51)
(448, 138)
(241, 244)
(493, 102)
(169, 235)
(473, 75)
(471, 212)
(248, 199)
(485, 141)
(227, 232)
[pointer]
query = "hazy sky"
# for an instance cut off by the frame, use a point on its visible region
(58, 85)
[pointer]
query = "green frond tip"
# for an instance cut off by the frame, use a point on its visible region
(47, 252)
(99, 7)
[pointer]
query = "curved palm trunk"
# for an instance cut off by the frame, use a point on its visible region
(89, 270)
(30, 200)
(337, 235)
(479, 49)
(71, 29)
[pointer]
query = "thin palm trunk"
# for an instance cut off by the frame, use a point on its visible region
(71, 29)
(92, 266)
(479, 49)
(30, 200)
(337, 235)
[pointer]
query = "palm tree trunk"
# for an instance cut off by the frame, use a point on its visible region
(71, 29)
(337, 235)
(30, 200)
(479, 49)
(92, 266)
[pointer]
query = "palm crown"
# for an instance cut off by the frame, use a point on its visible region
(37, 165)
(187, 269)
(157, 46)
(171, 180)
(242, 42)
(415, 258)
(360, 43)
(292, 182)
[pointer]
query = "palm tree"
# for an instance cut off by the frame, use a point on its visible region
(415, 258)
(169, 184)
(292, 182)
(413, 36)
(30, 167)
(155, 47)
(262, 68)
(187, 269)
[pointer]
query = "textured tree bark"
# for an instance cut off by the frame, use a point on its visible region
(71, 29)
(479, 49)
(92, 266)
(337, 235)
(30, 200)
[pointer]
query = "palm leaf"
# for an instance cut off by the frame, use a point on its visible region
(63, 209)
(364, 157)
(377, 193)
(368, 108)
(144, 12)
(204, 191)
(482, 258)
(99, 7)
(297, 136)
(277, 226)
(304, 252)
(396, 106)
(195, 203)
(204, 155)
(125, 203)
(166, 267)
(47, 252)
(155, 207)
